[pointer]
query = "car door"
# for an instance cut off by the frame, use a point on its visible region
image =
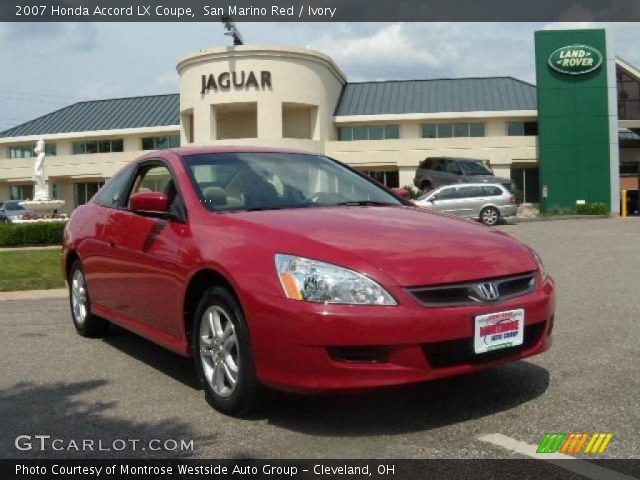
(445, 200)
(144, 248)
(470, 200)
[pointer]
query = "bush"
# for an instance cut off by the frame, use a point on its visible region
(413, 192)
(41, 233)
(592, 209)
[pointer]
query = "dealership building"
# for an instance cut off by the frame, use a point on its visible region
(572, 138)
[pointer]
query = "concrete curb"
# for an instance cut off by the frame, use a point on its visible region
(19, 249)
(558, 217)
(34, 294)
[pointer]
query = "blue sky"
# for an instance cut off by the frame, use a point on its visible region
(49, 65)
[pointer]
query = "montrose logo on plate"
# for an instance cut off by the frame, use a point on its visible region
(575, 59)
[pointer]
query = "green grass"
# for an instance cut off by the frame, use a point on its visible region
(30, 270)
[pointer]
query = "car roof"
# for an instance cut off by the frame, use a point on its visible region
(463, 159)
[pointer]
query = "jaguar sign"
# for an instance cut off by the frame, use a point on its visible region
(575, 59)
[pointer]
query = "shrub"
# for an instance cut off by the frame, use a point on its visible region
(413, 192)
(592, 209)
(40, 233)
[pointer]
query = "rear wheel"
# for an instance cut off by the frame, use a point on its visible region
(223, 353)
(426, 185)
(490, 216)
(87, 324)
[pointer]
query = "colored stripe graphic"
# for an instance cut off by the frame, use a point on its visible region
(573, 442)
(550, 443)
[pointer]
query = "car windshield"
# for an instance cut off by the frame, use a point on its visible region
(235, 181)
(476, 167)
(13, 206)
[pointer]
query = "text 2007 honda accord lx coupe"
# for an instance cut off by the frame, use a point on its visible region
(291, 270)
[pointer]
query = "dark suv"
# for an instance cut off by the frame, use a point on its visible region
(434, 172)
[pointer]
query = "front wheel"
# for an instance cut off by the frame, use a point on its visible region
(87, 324)
(223, 353)
(490, 216)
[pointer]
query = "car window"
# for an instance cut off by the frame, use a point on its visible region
(426, 164)
(475, 167)
(112, 192)
(470, 192)
(453, 167)
(492, 191)
(438, 165)
(446, 193)
(157, 178)
(268, 180)
(13, 206)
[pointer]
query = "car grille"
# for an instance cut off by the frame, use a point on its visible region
(469, 293)
(460, 352)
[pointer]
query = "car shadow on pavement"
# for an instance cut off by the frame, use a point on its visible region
(157, 357)
(411, 408)
(74, 412)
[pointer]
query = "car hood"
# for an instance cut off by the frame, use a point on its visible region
(411, 245)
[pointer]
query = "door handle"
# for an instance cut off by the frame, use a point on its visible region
(111, 243)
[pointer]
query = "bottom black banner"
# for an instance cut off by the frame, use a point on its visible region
(320, 469)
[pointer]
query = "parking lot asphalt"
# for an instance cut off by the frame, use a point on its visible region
(54, 382)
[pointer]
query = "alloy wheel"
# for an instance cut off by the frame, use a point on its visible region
(490, 216)
(79, 297)
(219, 350)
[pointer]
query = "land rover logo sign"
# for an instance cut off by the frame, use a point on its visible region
(575, 59)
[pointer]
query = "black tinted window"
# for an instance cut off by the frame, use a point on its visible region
(112, 192)
(469, 192)
(453, 167)
(492, 191)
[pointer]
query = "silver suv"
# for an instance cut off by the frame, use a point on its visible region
(484, 202)
(434, 172)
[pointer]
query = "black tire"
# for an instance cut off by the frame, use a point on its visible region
(241, 398)
(87, 324)
(490, 216)
(426, 185)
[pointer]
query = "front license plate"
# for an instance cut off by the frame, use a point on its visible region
(498, 330)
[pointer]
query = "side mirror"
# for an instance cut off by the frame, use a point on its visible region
(401, 192)
(149, 202)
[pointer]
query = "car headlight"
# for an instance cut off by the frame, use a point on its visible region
(314, 281)
(543, 273)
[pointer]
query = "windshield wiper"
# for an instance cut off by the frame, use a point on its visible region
(358, 203)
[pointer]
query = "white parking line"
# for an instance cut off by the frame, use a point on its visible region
(581, 467)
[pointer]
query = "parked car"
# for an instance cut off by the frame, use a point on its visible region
(487, 203)
(293, 271)
(11, 210)
(435, 172)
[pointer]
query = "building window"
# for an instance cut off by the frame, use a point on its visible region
(519, 129)
(628, 95)
(369, 132)
(389, 178)
(161, 143)
(26, 151)
(83, 192)
(448, 130)
(98, 146)
(21, 192)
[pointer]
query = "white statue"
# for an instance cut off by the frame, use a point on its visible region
(41, 192)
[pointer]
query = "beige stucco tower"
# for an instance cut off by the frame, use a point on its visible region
(258, 95)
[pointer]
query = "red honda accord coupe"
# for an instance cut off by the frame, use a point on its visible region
(291, 270)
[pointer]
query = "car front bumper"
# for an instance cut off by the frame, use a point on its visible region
(293, 341)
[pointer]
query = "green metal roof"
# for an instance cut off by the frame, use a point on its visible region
(433, 96)
(110, 114)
